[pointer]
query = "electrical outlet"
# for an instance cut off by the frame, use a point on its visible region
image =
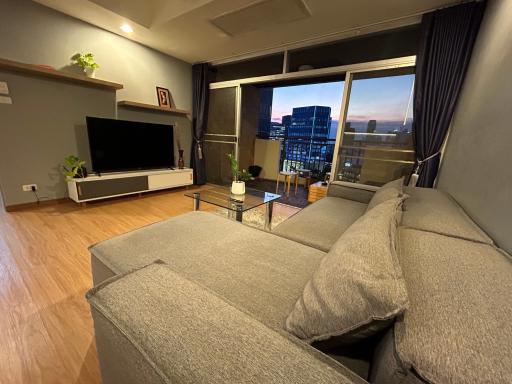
(28, 187)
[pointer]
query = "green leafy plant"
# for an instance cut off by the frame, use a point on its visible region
(85, 60)
(73, 167)
(244, 175)
(238, 175)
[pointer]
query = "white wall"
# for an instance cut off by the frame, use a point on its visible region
(476, 165)
(32, 33)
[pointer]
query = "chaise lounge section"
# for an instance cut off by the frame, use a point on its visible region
(449, 331)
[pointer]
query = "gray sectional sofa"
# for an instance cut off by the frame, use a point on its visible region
(213, 308)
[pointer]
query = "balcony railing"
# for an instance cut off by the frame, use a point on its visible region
(366, 161)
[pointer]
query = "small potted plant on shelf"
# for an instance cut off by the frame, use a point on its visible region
(86, 62)
(239, 177)
(73, 167)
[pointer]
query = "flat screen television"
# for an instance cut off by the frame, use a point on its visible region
(119, 145)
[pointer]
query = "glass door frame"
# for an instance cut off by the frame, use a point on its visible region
(347, 87)
(347, 70)
(238, 108)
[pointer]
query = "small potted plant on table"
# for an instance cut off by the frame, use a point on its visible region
(239, 177)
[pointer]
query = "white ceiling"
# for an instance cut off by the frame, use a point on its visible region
(220, 30)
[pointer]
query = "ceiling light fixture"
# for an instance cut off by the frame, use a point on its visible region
(126, 28)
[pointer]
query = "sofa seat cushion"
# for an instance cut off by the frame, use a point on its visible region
(358, 287)
(435, 211)
(320, 224)
(457, 328)
(259, 272)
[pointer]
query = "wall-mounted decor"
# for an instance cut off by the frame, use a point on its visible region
(164, 97)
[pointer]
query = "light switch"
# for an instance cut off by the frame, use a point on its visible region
(4, 89)
(5, 100)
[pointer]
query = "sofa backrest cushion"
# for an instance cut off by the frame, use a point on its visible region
(457, 328)
(435, 211)
(358, 286)
(388, 191)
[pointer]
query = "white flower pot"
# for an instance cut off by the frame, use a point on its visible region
(238, 188)
(89, 72)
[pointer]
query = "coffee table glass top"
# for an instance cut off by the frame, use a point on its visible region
(222, 197)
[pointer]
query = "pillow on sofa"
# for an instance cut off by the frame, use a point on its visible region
(358, 288)
(388, 191)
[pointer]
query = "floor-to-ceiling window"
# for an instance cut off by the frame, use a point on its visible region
(354, 122)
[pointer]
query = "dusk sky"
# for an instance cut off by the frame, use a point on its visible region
(382, 99)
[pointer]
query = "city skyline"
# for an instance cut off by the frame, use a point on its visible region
(385, 99)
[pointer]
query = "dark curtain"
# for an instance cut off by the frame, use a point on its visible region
(447, 39)
(200, 93)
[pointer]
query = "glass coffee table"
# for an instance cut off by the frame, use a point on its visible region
(236, 204)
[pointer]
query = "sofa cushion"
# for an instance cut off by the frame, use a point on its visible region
(259, 272)
(358, 286)
(457, 328)
(388, 191)
(351, 191)
(320, 224)
(155, 326)
(435, 211)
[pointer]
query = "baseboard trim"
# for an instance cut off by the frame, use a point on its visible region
(23, 206)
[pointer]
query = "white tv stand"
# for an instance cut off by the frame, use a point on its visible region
(109, 185)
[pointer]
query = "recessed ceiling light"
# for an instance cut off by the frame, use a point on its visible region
(126, 28)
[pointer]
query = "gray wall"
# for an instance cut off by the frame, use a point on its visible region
(32, 33)
(476, 165)
(46, 121)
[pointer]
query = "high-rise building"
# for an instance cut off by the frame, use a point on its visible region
(277, 131)
(307, 145)
(265, 115)
(286, 121)
(372, 126)
(311, 121)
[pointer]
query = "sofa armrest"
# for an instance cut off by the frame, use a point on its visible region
(351, 191)
(155, 326)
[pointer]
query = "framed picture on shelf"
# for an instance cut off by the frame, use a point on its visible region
(164, 98)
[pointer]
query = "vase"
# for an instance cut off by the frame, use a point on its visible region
(82, 173)
(181, 162)
(238, 187)
(90, 72)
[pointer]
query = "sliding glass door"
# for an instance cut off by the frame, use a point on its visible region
(363, 135)
(374, 142)
(222, 133)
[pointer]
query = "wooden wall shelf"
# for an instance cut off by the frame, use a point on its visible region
(34, 70)
(134, 104)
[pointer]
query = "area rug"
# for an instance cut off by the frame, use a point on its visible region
(256, 217)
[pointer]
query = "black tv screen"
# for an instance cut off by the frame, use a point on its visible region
(119, 145)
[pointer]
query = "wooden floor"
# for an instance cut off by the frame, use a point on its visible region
(46, 331)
